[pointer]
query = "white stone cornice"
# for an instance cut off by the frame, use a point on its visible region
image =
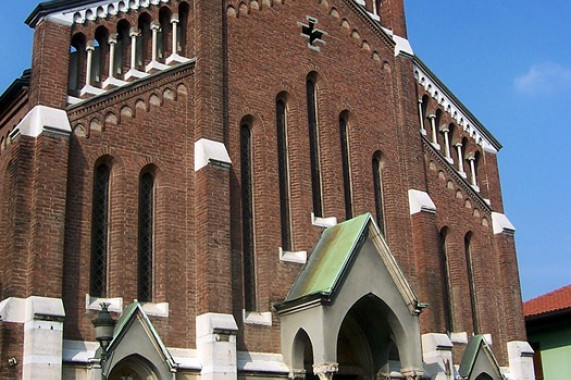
(206, 151)
(420, 201)
(502, 224)
(41, 119)
(98, 10)
(453, 108)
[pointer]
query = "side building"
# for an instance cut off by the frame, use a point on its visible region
(252, 189)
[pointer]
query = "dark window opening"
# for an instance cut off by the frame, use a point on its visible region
(146, 217)
(378, 192)
(100, 232)
(314, 149)
(346, 167)
(247, 218)
(283, 167)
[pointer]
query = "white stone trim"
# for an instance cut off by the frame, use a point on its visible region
(323, 222)
(77, 351)
(185, 358)
(459, 337)
(206, 150)
(100, 9)
(455, 110)
(261, 362)
(13, 310)
(257, 318)
(402, 46)
(94, 303)
(437, 356)
(152, 309)
(175, 58)
(216, 346)
(156, 65)
(488, 339)
(299, 257)
(520, 357)
(40, 119)
(502, 224)
(420, 201)
(135, 74)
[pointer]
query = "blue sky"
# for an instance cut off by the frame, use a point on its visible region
(508, 61)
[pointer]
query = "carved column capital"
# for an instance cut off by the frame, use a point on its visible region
(412, 373)
(325, 371)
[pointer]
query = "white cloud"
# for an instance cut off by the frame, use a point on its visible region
(544, 79)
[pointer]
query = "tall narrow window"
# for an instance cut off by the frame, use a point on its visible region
(164, 34)
(76, 63)
(122, 48)
(472, 287)
(145, 254)
(144, 42)
(283, 166)
(183, 11)
(446, 278)
(346, 166)
(247, 217)
(100, 231)
(378, 190)
(314, 148)
(100, 55)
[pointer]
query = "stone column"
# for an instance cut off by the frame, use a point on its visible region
(474, 181)
(155, 27)
(433, 124)
(445, 131)
(460, 160)
(134, 33)
(89, 49)
(422, 130)
(174, 22)
(112, 44)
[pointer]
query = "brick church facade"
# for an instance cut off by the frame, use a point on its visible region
(261, 189)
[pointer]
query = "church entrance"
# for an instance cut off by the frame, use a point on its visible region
(133, 368)
(365, 345)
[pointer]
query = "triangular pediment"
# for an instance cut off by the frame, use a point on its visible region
(332, 259)
(478, 361)
(135, 337)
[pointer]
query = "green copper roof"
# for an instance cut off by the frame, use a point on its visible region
(329, 260)
(476, 345)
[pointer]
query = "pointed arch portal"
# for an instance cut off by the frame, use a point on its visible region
(347, 327)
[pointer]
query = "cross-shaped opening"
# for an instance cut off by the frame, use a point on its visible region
(311, 32)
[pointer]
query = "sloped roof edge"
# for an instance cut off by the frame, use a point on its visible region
(128, 314)
(48, 7)
(554, 301)
(330, 261)
(459, 103)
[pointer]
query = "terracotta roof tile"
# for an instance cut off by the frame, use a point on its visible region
(556, 300)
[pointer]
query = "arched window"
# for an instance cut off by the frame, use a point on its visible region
(472, 286)
(165, 34)
(448, 314)
(346, 165)
(144, 42)
(314, 146)
(182, 30)
(100, 231)
(378, 191)
(76, 64)
(100, 55)
(283, 167)
(146, 234)
(438, 137)
(122, 48)
(247, 217)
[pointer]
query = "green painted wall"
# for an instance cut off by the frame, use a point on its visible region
(555, 347)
